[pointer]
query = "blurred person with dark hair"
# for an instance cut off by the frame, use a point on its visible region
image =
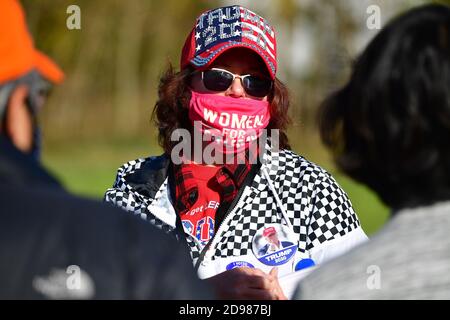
(221, 208)
(53, 245)
(389, 128)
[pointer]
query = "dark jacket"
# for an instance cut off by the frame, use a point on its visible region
(54, 245)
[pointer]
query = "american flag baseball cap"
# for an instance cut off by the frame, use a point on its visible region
(221, 29)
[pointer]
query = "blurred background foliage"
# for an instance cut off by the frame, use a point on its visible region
(99, 117)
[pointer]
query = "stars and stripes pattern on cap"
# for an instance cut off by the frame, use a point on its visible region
(233, 23)
(223, 28)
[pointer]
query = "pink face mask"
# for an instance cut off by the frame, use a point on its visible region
(233, 122)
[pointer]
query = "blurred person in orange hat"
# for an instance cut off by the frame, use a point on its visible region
(54, 245)
(25, 78)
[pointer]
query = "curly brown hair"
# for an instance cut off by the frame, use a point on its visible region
(171, 109)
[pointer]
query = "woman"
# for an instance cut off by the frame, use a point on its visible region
(227, 93)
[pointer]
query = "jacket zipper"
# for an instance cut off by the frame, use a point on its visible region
(240, 196)
(211, 244)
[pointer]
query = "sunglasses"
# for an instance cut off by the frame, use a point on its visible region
(216, 79)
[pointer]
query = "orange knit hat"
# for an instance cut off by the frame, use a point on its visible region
(18, 55)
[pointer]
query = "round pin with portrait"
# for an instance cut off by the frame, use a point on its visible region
(274, 244)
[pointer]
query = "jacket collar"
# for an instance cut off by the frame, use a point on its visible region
(148, 180)
(148, 177)
(161, 206)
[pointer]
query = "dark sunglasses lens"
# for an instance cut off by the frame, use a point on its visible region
(257, 86)
(216, 80)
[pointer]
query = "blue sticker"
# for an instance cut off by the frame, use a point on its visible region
(273, 245)
(304, 263)
(239, 264)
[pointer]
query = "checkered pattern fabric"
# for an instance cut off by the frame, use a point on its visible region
(318, 209)
(122, 195)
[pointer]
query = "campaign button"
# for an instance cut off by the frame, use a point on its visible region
(239, 264)
(274, 244)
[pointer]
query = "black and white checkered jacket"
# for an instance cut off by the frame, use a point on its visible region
(287, 190)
